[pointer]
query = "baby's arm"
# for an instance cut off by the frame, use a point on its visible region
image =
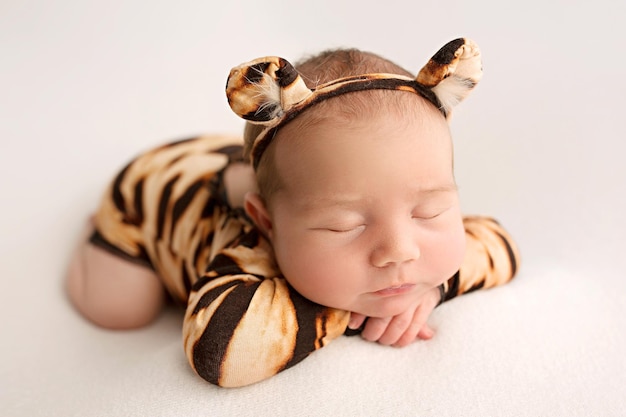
(244, 323)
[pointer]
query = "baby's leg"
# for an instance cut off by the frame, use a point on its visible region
(111, 291)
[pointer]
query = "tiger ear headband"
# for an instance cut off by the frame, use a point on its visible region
(270, 92)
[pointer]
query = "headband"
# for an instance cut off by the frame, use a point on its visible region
(270, 92)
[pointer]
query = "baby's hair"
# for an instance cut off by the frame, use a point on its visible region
(318, 69)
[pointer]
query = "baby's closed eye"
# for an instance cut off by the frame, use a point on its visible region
(341, 228)
(429, 213)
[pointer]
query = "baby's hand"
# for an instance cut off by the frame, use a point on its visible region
(402, 329)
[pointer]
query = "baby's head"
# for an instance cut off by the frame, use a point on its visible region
(356, 189)
(319, 69)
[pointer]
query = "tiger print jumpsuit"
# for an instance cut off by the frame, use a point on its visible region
(168, 210)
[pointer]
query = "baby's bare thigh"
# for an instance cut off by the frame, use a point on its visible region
(113, 292)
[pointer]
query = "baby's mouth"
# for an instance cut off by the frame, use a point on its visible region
(395, 290)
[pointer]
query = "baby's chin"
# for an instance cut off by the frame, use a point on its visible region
(385, 308)
(393, 305)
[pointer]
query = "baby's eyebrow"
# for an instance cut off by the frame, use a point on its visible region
(322, 202)
(436, 189)
(347, 201)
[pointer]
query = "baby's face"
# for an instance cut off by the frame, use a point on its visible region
(368, 219)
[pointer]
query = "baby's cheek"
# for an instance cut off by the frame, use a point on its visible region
(304, 273)
(458, 248)
(327, 281)
(451, 254)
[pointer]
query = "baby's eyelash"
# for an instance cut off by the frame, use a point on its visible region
(339, 230)
(430, 216)
(427, 217)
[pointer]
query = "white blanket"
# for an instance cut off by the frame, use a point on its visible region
(540, 145)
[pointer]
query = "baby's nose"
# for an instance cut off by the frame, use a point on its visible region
(395, 249)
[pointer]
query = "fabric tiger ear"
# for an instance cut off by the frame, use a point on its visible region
(263, 90)
(453, 72)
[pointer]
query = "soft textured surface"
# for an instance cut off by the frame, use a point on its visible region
(539, 145)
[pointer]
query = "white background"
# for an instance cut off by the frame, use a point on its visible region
(85, 85)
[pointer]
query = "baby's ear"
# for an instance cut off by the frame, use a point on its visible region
(453, 72)
(261, 91)
(257, 210)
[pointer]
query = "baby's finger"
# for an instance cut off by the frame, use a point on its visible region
(374, 328)
(418, 325)
(426, 332)
(396, 328)
(356, 320)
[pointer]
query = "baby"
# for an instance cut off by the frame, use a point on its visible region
(339, 215)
